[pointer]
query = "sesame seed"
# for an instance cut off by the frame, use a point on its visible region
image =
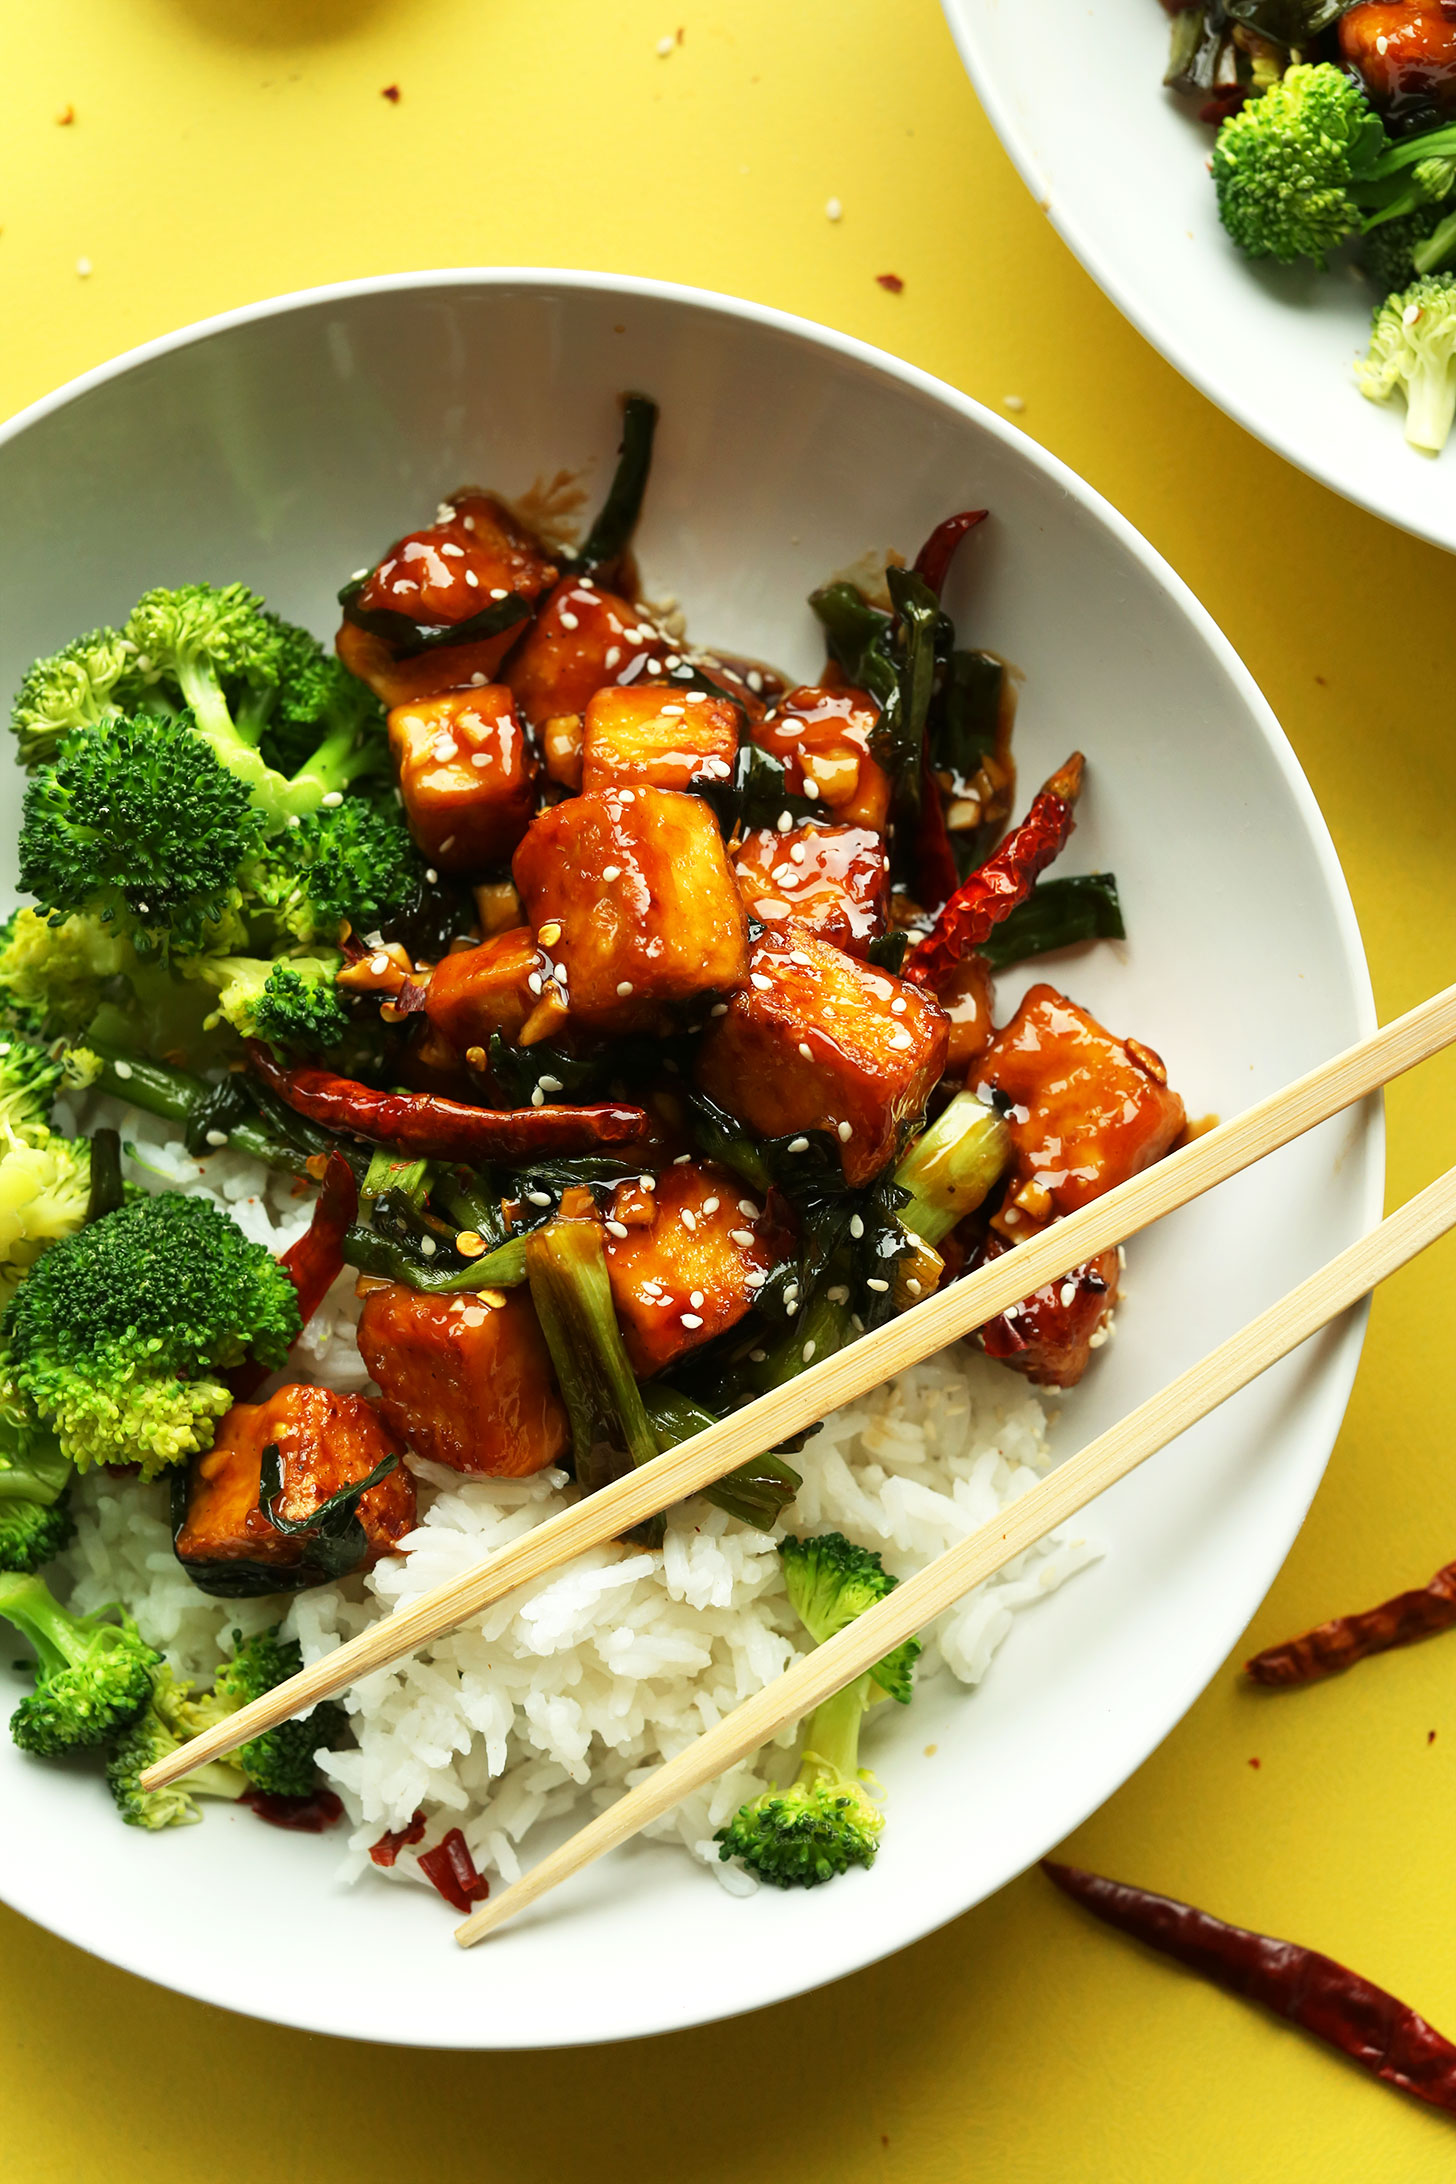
(798, 852)
(756, 978)
(711, 1205)
(478, 681)
(626, 796)
(689, 1219)
(294, 820)
(616, 1228)
(379, 965)
(654, 667)
(696, 697)
(784, 821)
(549, 1084)
(806, 1051)
(538, 1097)
(791, 1299)
(691, 1319)
(333, 798)
(846, 1131)
(901, 1037)
(755, 1279)
(533, 981)
(1014, 403)
(673, 662)
(1408, 316)
(122, 1070)
(1011, 1217)
(83, 268)
(549, 934)
(648, 1182)
(798, 1145)
(664, 47)
(498, 591)
(755, 680)
(539, 1198)
(1095, 1342)
(682, 1160)
(743, 1237)
(833, 210)
(898, 1005)
(839, 1294)
(447, 845)
(624, 987)
(873, 1281)
(758, 1357)
(913, 1286)
(611, 872)
(719, 1008)
(612, 656)
(217, 1137)
(856, 1226)
(569, 621)
(672, 712)
(696, 1299)
(746, 1205)
(432, 875)
(428, 1246)
(807, 1352)
(470, 577)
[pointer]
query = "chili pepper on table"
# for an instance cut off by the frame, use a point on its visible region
(1375, 2029)
(434, 1128)
(994, 890)
(1346, 1639)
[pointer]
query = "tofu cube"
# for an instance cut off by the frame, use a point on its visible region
(816, 1041)
(465, 1380)
(467, 775)
(476, 992)
(632, 895)
(658, 734)
(452, 571)
(324, 1442)
(835, 880)
(1085, 1110)
(691, 1270)
(823, 737)
(582, 639)
(1050, 1335)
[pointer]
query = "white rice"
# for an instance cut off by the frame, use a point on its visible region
(571, 1689)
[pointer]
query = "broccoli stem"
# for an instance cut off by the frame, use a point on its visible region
(1430, 404)
(1438, 248)
(831, 1741)
(339, 760)
(572, 1292)
(54, 1635)
(40, 1474)
(950, 1170)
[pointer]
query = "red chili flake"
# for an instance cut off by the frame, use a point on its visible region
(65, 117)
(391, 92)
(1256, 1763)
(304, 1815)
(892, 281)
(1346, 1639)
(389, 1846)
(1377, 2030)
(450, 1867)
(1430, 1736)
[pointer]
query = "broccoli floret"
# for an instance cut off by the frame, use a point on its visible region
(291, 1003)
(281, 1760)
(35, 1517)
(355, 860)
(134, 824)
(826, 1820)
(1308, 164)
(117, 1335)
(45, 1179)
(317, 698)
(93, 1677)
(33, 1533)
(1413, 352)
(87, 681)
(214, 645)
(1395, 253)
(53, 978)
(163, 1726)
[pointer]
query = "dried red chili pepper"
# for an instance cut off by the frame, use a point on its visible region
(390, 1844)
(451, 1869)
(993, 891)
(1338, 2006)
(432, 1128)
(308, 1815)
(315, 1262)
(934, 875)
(1346, 1639)
(935, 556)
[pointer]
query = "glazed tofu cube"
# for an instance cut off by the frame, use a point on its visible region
(632, 895)
(1050, 1335)
(465, 1380)
(823, 738)
(1085, 1110)
(582, 639)
(457, 569)
(835, 880)
(692, 1268)
(467, 776)
(816, 1041)
(476, 992)
(324, 1442)
(658, 734)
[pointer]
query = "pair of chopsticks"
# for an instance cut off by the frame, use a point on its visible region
(851, 1373)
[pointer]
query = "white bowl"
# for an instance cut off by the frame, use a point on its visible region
(1121, 166)
(288, 443)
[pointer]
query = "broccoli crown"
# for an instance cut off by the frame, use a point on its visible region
(114, 1333)
(353, 860)
(830, 1581)
(44, 1190)
(53, 977)
(316, 695)
(159, 1730)
(292, 1003)
(1285, 166)
(136, 822)
(93, 1677)
(29, 1080)
(281, 1760)
(807, 1834)
(33, 1533)
(85, 682)
(198, 638)
(1387, 252)
(1413, 352)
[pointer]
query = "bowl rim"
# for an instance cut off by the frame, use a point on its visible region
(1140, 308)
(1340, 1367)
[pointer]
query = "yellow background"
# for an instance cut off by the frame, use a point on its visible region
(224, 150)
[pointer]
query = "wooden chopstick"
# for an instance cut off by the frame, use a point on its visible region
(920, 1599)
(848, 1374)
